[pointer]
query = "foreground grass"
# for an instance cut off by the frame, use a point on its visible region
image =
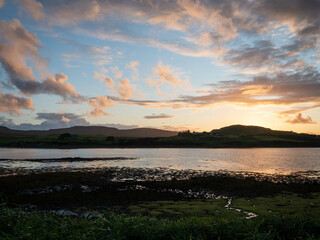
(288, 204)
(15, 224)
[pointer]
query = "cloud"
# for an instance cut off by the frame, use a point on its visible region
(55, 120)
(101, 54)
(264, 57)
(72, 12)
(57, 85)
(205, 23)
(86, 54)
(99, 103)
(58, 120)
(116, 72)
(17, 47)
(33, 8)
(158, 116)
(262, 53)
(12, 104)
(6, 122)
(108, 81)
(125, 89)
(164, 74)
(299, 109)
(301, 16)
(210, 24)
(281, 89)
(299, 119)
(205, 39)
(225, 30)
(133, 65)
(175, 47)
(119, 126)
(2, 2)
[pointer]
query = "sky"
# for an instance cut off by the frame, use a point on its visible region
(175, 65)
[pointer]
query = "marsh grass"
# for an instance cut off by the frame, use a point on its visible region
(288, 204)
(16, 224)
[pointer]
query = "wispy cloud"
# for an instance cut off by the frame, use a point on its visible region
(33, 8)
(158, 116)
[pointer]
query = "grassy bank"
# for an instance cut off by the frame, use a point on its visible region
(15, 224)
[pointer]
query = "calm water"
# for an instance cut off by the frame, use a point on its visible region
(263, 160)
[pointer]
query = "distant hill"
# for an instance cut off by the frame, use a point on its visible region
(236, 136)
(249, 130)
(94, 130)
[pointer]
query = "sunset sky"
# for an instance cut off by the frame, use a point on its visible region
(175, 65)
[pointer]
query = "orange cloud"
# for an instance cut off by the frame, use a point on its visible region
(108, 81)
(299, 119)
(57, 85)
(99, 103)
(165, 74)
(256, 89)
(125, 89)
(133, 65)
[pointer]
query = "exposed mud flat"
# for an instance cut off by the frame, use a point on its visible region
(51, 188)
(125, 174)
(68, 159)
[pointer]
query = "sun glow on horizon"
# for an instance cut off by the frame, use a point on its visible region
(197, 65)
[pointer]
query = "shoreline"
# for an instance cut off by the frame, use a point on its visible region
(149, 147)
(110, 186)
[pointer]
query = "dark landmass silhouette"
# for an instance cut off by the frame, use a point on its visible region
(93, 136)
(94, 130)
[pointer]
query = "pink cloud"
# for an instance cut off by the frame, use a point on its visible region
(108, 81)
(125, 89)
(12, 104)
(17, 47)
(99, 103)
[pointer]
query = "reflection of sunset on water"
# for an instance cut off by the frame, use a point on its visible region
(262, 160)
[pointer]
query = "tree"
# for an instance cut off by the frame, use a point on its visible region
(184, 133)
(110, 138)
(64, 136)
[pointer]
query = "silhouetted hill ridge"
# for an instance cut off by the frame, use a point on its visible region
(251, 130)
(94, 130)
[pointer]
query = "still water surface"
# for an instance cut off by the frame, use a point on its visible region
(262, 160)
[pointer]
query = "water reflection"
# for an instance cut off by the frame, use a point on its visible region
(262, 160)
